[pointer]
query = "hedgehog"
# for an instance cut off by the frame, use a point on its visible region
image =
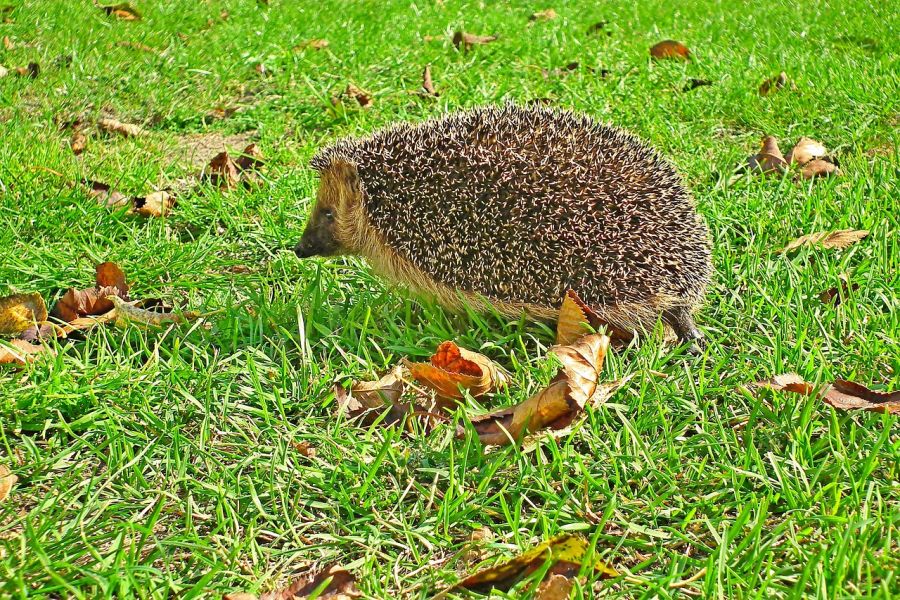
(507, 208)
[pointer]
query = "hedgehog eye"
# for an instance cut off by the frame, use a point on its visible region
(329, 214)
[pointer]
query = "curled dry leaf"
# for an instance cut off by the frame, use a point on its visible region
(21, 311)
(558, 404)
(124, 129)
(109, 281)
(828, 239)
(7, 481)
(19, 352)
(812, 158)
(774, 84)
(105, 195)
(464, 41)
(769, 158)
(565, 552)
(427, 84)
(251, 158)
(543, 15)
(222, 172)
(847, 395)
(155, 204)
(109, 274)
(575, 318)
(123, 11)
(453, 368)
(670, 49)
(843, 394)
(79, 140)
(130, 313)
(368, 400)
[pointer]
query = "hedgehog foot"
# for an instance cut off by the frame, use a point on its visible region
(682, 321)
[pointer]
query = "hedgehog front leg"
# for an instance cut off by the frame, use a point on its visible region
(682, 321)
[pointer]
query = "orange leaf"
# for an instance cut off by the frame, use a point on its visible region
(21, 311)
(769, 159)
(847, 395)
(20, 352)
(453, 368)
(670, 49)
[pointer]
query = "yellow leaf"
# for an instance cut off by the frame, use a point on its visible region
(20, 311)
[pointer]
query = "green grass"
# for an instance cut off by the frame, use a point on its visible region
(160, 464)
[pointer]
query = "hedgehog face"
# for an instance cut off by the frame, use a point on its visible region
(332, 224)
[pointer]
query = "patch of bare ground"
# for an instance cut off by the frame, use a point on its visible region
(197, 149)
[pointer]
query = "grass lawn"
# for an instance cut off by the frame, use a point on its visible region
(163, 463)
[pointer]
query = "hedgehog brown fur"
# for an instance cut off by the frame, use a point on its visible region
(514, 206)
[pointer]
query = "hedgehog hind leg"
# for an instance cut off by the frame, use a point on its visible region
(681, 320)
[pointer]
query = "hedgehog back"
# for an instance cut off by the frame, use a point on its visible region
(521, 204)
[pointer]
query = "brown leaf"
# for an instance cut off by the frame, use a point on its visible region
(78, 141)
(812, 158)
(21, 311)
(555, 587)
(362, 97)
(222, 172)
(819, 167)
(8, 43)
(427, 84)
(574, 318)
(304, 448)
(82, 324)
(465, 41)
(835, 295)
(251, 158)
(769, 159)
(543, 15)
(106, 195)
(122, 11)
(828, 239)
(19, 352)
(565, 553)
(369, 399)
(82, 303)
(670, 49)
(774, 84)
(154, 204)
(7, 480)
(556, 405)
(342, 586)
(109, 274)
(125, 129)
(32, 70)
(788, 382)
(453, 368)
(847, 395)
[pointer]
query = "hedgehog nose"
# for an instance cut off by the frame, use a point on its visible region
(302, 250)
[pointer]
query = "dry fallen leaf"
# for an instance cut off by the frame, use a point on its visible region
(21, 311)
(370, 399)
(124, 129)
(105, 195)
(555, 587)
(250, 158)
(130, 313)
(427, 84)
(7, 480)
(558, 404)
(774, 84)
(222, 172)
(362, 97)
(847, 395)
(769, 159)
(575, 318)
(565, 552)
(543, 15)
(670, 49)
(154, 204)
(789, 382)
(8, 43)
(835, 295)
(109, 280)
(304, 448)
(828, 239)
(79, 139)
(109, 274)
(465, 41)
(19, 352)
(342, 586)
(453, 368)
(123, 11)
(812, 158)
